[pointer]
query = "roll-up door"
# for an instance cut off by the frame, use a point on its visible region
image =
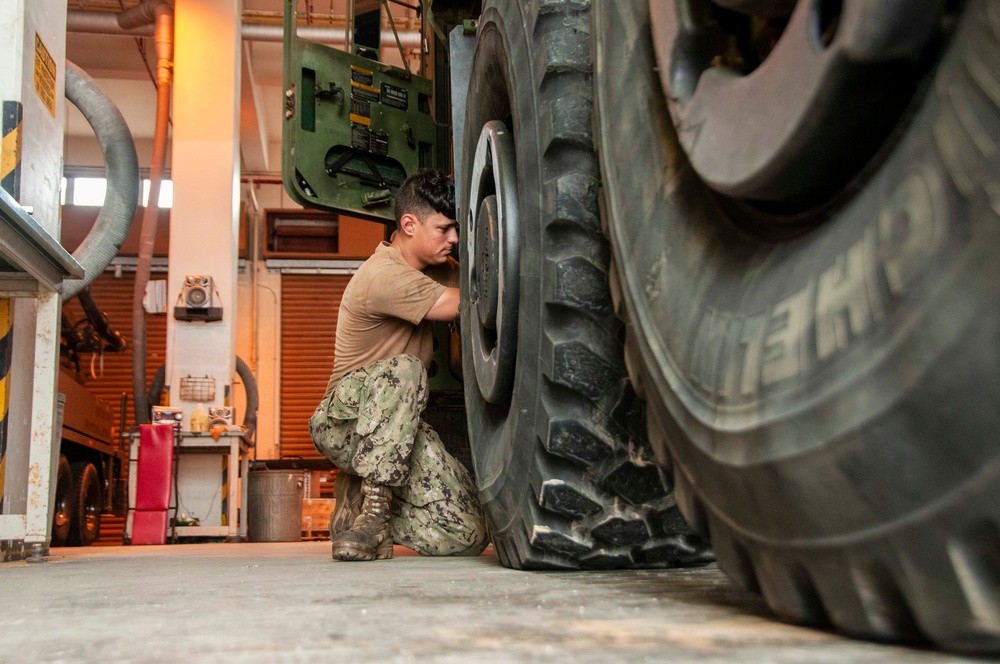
(309, 306)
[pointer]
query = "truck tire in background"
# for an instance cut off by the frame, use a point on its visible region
(62, 513)
(566, 475)
(85, 526)
(824, 373)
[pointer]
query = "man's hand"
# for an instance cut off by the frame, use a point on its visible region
(446, 307)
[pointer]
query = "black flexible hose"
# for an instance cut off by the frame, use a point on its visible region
(99, 321)
(122, 165)
(156, 387)
(250, 387)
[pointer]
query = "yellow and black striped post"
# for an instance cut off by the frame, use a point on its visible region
(10, 180)
(10, 154)
(6, 356)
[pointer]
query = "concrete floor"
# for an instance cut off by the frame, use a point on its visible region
(290, 602)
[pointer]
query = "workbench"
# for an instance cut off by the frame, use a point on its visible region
(233, 478)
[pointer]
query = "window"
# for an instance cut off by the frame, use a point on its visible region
(301, 232)
(166, 193)
(91, 191)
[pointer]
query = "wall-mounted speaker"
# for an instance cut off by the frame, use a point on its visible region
(196, 300)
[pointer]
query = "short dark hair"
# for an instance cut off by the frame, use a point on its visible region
(425, 192)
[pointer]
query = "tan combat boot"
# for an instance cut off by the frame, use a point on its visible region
(368, 537)
(347, 502)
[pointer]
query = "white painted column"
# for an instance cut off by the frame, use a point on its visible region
(33, 48)
(42, 460)
(204, 220)
(205, 174)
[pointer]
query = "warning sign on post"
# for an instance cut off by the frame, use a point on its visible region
(45, 76)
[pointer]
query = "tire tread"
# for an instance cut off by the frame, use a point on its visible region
(929, 574)
(76, 535)
(588, 464)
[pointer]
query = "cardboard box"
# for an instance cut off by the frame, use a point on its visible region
(316, 516)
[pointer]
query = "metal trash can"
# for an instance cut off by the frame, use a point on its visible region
(275, 505)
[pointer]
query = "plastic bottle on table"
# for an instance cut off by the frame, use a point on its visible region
(199, 419)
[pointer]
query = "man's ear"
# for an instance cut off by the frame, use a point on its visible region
(406, 223)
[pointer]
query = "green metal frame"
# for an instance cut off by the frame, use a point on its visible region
(354, 128)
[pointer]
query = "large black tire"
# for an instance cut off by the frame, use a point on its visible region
(85, 525)
(845, 463)
(62, 511)
(566, 476)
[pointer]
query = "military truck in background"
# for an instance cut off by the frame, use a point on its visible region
(91, 476)
(734, 260)
(93, 467)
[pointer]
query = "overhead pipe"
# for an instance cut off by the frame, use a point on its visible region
(161, 15)
(105, 23)
(267, 32)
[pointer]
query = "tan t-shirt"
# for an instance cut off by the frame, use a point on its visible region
(383, 308)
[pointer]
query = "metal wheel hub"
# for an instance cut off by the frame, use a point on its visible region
(785, 100)
(91, 519)
(91, 511)
(486, 290)
(492, 235)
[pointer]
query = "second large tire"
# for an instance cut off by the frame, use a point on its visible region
(85, 526)
(62, 512)
(566, 476)
(829, 396)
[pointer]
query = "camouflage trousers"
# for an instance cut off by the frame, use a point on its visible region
(370, 425)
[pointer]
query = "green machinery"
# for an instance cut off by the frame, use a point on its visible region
(354, 127)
